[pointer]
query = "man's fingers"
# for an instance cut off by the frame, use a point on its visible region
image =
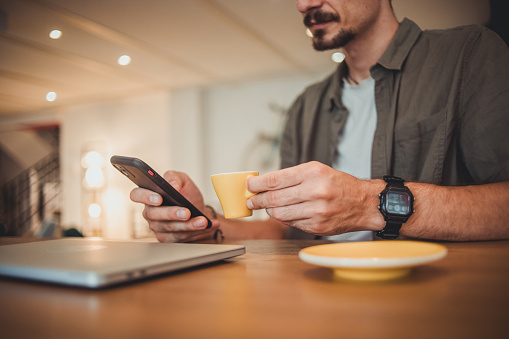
(286, 177)
(175, 179)
(286, 214)
(274, 180)
(166, 213)
(278, 198)
(146, 197)
(195, 224)
(165, 227)
(172, 213)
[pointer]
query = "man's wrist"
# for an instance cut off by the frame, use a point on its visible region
(374, 219)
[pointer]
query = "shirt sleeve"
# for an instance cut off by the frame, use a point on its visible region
(484, 134)
(290, 147)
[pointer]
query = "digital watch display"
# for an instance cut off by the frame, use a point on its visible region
(398, 202)
(396, 206)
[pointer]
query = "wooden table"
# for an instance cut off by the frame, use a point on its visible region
(270, 293)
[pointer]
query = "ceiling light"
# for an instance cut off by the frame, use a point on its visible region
(55, 34)
(338, 57)
(124, 60)
(51, 96)
(308, 33)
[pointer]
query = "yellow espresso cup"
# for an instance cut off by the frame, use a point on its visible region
(232, 193)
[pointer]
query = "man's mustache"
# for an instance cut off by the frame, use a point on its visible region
(318, 17)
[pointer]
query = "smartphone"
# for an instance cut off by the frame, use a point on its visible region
(145, 177)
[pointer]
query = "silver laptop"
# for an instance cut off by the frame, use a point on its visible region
(98, 263)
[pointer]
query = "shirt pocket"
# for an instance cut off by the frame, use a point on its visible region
(419, 148)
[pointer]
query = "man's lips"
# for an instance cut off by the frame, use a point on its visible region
(319, 19)
(319, 25)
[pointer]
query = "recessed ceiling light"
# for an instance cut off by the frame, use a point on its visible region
(55, 34)
(124, 60)
(338, 57)
(51, 96)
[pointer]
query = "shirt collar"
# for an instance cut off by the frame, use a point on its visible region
(393, 58)
(336, 85)
(400, 46)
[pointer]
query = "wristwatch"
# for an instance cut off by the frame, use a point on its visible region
(396, 205)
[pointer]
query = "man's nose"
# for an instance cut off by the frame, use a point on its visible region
(305, 5)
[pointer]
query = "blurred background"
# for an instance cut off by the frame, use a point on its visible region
(200, 86)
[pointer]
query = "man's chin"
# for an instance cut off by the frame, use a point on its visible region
(320, 45)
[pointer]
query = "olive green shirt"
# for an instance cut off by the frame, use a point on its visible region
(442, 101)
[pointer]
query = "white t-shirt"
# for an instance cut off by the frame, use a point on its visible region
(355, 141)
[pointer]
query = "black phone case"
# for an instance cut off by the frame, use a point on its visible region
(145, 177)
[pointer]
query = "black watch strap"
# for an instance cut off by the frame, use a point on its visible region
(393, 224)
(390, 231)
(394, 181)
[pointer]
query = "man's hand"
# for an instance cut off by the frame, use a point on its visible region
(318, 199)
(173, 223)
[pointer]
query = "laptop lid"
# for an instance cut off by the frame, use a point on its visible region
(98, 263)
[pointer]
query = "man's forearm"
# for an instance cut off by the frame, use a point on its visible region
(459, 213)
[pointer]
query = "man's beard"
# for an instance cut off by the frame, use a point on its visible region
(339, 40)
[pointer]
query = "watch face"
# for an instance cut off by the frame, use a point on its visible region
(398, 203)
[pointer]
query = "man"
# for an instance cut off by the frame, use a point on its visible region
(434, 109)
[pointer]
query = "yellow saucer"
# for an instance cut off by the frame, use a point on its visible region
(373, 260)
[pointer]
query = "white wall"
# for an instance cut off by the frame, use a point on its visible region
(187, 134)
